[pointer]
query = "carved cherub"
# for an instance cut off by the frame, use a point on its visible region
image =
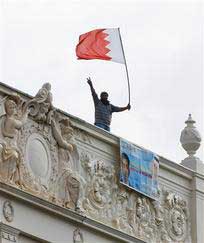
(11, 123)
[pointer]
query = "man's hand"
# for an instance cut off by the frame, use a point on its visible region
(91, 85)
(129, 106)
(89, 81)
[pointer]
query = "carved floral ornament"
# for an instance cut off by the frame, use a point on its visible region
(61, 172)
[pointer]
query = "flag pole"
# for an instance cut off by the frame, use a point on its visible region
(125, 65)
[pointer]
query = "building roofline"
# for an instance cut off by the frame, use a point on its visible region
(107, 137)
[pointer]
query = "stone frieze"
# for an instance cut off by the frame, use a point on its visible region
(39, 153)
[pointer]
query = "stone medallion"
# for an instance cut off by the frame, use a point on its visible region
(177, 226)
(8, 211)
(38, 158)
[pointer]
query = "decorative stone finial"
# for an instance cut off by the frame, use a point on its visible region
(190, 137)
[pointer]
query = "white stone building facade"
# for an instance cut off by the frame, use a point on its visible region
(59, 181)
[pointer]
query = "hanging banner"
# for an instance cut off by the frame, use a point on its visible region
(139, 169)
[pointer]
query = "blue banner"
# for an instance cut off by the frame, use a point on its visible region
(139, 169)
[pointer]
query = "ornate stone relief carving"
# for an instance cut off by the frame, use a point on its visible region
(38, 157)
(78, 236)
(176, 216)
(39, 170)
(9, 234)
(39, 153)
(68, 180)
(9, 237)
(8, 211)
(165, 220)
(40, 107)
(10, 156)
(82, 135)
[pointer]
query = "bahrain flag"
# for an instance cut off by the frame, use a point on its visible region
(102, 44)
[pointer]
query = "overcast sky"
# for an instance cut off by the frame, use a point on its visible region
(163, 48)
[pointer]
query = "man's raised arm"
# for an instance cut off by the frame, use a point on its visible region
(94, 94)
(118, 109)
(90, 84)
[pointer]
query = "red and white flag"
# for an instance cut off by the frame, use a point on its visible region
(102, 44)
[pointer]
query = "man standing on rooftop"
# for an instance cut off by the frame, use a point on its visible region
(103, 108)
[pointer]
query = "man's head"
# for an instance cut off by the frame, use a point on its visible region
(104, 98)
(125, 162)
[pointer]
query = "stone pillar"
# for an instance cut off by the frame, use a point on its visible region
(190, 140)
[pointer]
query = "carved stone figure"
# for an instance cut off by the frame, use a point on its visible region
(97, 194)
(63, 132)
(78, 236)
(158, 211)
(11, 124)
(68, 180)
(86, 164)
(41, 108)
(120, 211)
(143, 218)
(97, 197)
(142, 211)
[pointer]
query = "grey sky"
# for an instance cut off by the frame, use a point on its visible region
(163, 48)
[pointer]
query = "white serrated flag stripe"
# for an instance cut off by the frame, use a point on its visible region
(115, 45)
